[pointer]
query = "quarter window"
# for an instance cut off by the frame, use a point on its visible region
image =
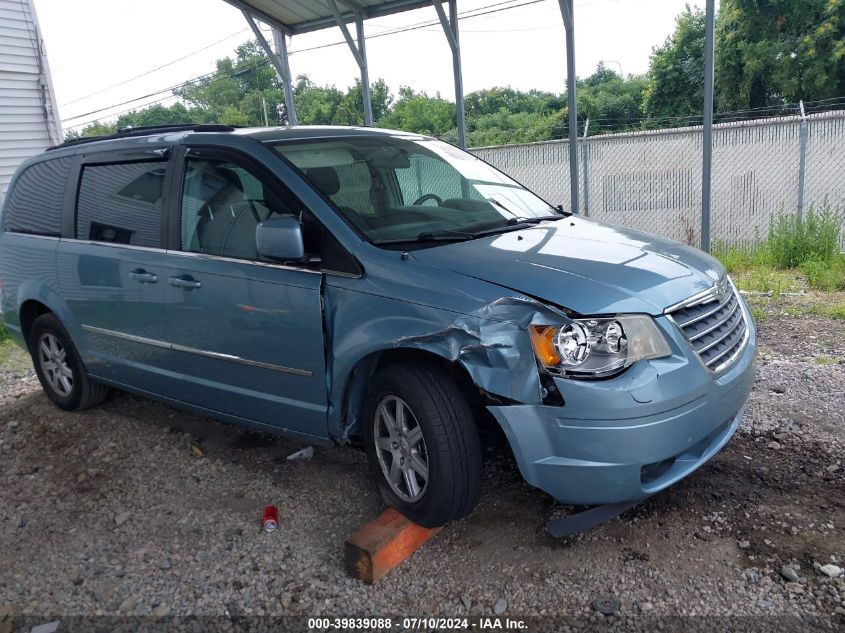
(35, 201)
(121, 203)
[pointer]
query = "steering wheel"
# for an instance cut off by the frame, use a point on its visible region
(427, 197)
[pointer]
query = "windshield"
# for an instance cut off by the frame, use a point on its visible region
(397, 190)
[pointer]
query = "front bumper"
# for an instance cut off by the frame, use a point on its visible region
(626, 438)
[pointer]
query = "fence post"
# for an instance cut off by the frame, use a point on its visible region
(584, 151)
(802, 159)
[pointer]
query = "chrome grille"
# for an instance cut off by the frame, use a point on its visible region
(714, 324)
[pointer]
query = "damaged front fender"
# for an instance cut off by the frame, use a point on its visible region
(491, 344)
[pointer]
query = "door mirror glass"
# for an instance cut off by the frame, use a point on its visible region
(280, 238)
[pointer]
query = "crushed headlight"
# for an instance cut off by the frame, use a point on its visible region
(600, 345)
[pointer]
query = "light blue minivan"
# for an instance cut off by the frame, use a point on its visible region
(354, 285)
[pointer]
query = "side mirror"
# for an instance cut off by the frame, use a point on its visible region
(280, 238)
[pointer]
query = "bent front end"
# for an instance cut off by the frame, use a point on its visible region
(630, 436)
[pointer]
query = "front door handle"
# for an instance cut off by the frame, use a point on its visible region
(142, 276)
(185, 281)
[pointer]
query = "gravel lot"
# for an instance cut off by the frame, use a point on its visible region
(137, 508)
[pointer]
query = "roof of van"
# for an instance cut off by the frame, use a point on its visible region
(174, 134)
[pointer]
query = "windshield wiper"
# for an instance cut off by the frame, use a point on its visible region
(517, 219)
(445, 235)
(449, 235)
(514, 223)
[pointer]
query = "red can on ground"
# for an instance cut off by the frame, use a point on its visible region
(270, 520)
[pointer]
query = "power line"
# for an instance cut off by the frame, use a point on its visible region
(152, 70)
(146, 96)
(472, 13)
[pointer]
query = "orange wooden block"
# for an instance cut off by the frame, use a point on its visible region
(383, 544)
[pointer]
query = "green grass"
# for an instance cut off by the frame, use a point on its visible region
(829, 310)
(767, 280)
(12, 356)
(825, 360)
(759, 313)
(796, 246)
(828, 276)
(739, 258)
(795, 239)
(818, 307)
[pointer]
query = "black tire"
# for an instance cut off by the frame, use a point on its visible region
(451, 443)
(83, 392)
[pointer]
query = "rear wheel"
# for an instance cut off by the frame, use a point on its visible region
(59, 366)
(423, 444)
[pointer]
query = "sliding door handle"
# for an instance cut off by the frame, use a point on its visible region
(142, 276)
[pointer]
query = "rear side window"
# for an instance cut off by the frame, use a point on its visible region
(121, 203)
(35, 201)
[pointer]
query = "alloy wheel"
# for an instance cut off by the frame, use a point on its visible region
(52, 356)
(400, 448)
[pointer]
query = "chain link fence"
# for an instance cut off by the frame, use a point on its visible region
(651, 180)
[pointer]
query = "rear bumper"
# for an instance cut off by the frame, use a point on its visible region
(629, 437)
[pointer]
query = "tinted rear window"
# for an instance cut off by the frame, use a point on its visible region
(121, 203)
(35, 201)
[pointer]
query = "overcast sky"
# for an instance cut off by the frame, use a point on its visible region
(94, 44)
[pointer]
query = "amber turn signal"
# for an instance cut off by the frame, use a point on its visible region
(543, 340)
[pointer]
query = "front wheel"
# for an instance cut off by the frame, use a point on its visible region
(423, 444)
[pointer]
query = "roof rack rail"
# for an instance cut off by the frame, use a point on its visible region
(146, 130)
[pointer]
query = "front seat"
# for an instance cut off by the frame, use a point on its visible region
(327, 182)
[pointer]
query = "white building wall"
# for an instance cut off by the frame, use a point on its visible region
(29, 120)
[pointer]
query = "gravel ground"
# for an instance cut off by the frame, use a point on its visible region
(140, 509)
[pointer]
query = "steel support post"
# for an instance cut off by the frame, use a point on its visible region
(365, 72)
(282, 51)
(567, 11)
(359, 52)
(707, 132)
(802, 159)
(585, 150)
(279, 61)
(450, 28)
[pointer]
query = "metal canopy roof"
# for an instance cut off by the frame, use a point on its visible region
(291, 17)
(304, 16)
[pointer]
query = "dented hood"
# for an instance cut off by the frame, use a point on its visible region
(586, 266)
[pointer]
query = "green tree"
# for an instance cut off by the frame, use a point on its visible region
(96, 128)
(315, 105)
(495, 100)
(779, 51)
(159, 115)
(326, 105)
(242, 91)
(611, 102)
(417, 112)
(676, 73)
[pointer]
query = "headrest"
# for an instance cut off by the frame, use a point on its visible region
(227, 176)
(324, 178)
